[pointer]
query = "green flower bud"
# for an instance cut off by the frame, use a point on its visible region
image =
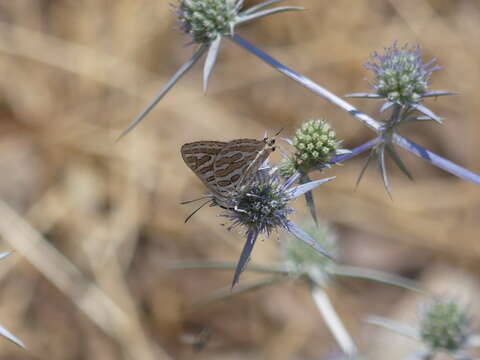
(301, 259)
(287, 167)
(204, 20)
(445, 325)
(315, 144)
(400, 75)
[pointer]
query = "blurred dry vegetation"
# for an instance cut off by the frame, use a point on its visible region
(94, 224)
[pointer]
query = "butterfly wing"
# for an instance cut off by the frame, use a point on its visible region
(237, 162)
(200, 157)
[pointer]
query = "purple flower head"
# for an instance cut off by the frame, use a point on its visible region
(205, 20)
(263, 207)
(400, 75)
(445, 325)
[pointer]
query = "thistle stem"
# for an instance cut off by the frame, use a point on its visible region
(408, 145)
(333, 321)
(339, 158)
(306, 82)
(354, 152)
(309, 199)
(165, 89)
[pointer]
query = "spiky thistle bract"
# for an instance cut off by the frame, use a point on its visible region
(263, 207)
(402, 79)
(207, 22)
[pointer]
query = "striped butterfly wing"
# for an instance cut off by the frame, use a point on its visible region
(200, 157)
(237, 163)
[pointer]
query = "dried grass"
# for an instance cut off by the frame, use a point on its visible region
(100, 221)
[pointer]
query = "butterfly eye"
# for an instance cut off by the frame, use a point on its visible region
(273, 148)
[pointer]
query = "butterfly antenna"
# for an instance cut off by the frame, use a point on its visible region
(278, 132)
(283, 151)
(196, 210)
(194, 200)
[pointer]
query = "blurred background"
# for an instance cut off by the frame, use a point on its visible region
(94, 223)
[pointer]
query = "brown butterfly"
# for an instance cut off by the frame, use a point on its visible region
(226, 168)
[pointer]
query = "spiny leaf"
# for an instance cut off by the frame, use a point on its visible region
(383, 169)
(164, 90)
(245, 256)
(342, 151)
(365, 166)
(306, 238)
(4, 254)
(260, 6)
(393, 153)
(364, 95)
(428, 112)
(8, 335)
(395, 326)
(210, 60)
(309, 186)
(310, 200)
(263, 13)
(435, 93)
(386, 106)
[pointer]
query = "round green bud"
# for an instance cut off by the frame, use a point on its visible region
(444, 325)
(315, 143)
(400, 74)
(204, 20)
(301, 259)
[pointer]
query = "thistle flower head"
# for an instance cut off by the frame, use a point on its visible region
(205, 20)
(315, 144)
(262, 207)
(288, 166)
(300, 259)
(400, 75)
(445, 325)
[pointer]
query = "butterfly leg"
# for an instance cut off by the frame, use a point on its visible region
(237, 209)
(253, 195)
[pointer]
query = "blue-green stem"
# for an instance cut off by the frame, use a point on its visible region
(166, 88)
(408, 145)
(333, 321)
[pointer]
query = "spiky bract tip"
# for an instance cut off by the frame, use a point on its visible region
(400, 74)
(205, 20)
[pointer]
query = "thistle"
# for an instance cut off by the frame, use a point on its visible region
(3, 331)
(445, 325)
(300, 260)
(207, 22)
(400, 75)
(315, 144)
(402, 79)
(263, 207)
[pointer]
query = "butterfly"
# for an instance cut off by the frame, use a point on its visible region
(227, 168)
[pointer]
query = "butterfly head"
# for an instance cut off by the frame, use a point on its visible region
(270, 142)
